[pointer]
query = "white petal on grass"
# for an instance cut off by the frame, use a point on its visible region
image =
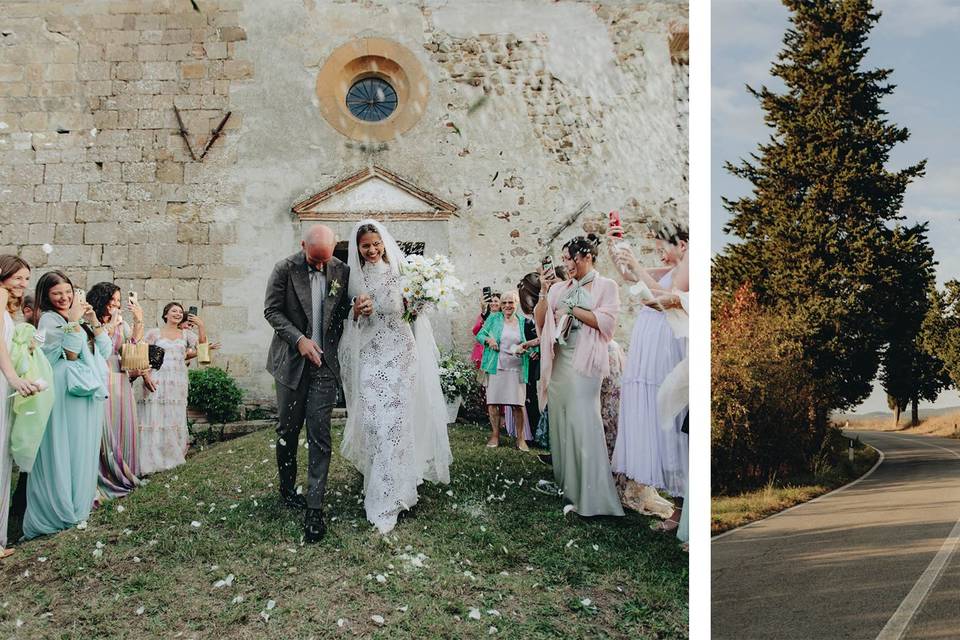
(474, 614)
(140, 610)
(237, 600)
(586, 602)
(225, 582)
(493, 612)
(569, 543)
(271, 604)
(378, 619)
(492, 631)
(341, 622)
(82, 525)
(381, 578)
(195, 524)
(403, 608)
(42, 559)
(121, 508)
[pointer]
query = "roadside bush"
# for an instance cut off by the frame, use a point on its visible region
(761, 395)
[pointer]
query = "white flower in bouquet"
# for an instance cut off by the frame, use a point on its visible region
(428, 284)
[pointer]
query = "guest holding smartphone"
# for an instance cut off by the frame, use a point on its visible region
(119, 464)
(576, 320)
(162, 437)
(62, 485)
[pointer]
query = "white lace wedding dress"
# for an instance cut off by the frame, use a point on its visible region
(396, 414)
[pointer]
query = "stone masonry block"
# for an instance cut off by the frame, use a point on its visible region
(139, 171)
(193, 233)
(105, 233)
(41, 233)
(62, 212)
(68, 234)
(47, 193)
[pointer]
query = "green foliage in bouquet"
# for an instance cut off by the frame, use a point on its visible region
(458, 376)
(214, 392)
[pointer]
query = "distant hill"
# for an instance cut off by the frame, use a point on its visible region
(881, 415)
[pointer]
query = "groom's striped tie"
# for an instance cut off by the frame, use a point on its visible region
(316, 298)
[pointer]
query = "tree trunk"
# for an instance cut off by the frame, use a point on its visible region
(914, 412)
(896, 416)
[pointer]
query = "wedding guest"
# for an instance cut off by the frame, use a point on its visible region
(28, 309)
(610, 396)
(643, 451)
(528, 290)
(14, 277)
(541, 436)
(506, 362)
(576, 320)
(119, 464)
(162, 435)
(62, 486)
(487, 306)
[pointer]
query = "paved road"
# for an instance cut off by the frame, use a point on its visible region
(874, 561)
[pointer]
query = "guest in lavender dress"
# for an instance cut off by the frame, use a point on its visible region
(644, 452)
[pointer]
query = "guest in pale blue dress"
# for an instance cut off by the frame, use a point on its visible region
(63, 484)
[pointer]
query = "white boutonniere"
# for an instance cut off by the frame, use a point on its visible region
(334, 288)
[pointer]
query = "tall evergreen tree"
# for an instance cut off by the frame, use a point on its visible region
(816, 226)
(940, 335)
(909, 372)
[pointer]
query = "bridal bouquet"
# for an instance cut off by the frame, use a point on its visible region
(428, 285)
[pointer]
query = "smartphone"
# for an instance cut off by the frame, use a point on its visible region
(79, 296)
(487, 294)
(192, 311)
(133, 297)
(546, 264)
(615, 222)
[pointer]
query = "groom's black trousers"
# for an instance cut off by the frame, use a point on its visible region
(311, 402)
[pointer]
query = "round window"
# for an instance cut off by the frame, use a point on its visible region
(372, 99)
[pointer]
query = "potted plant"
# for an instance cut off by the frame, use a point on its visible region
(458, 379)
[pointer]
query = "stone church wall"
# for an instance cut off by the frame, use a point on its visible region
(534, 110)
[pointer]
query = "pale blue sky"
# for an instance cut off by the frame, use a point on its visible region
(920, 41)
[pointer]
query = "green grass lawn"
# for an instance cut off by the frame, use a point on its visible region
(730, 512)
(484, 557)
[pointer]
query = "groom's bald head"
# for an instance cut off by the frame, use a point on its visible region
(318, 244)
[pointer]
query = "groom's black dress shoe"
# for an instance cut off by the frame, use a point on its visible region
(293, 501)
(313, 526)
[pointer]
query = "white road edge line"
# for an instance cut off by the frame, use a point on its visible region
(897, 625)
(803, 504)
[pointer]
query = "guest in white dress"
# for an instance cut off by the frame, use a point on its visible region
(14, 278)
(162, 438)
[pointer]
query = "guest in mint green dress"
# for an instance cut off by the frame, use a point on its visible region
(577, 319)
(63, 484)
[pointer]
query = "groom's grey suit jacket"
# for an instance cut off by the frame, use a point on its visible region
(289, 311)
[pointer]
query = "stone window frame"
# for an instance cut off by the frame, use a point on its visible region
(372, 57)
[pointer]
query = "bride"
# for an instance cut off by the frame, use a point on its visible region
(396, 432)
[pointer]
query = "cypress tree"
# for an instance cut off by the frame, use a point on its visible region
(814, 234)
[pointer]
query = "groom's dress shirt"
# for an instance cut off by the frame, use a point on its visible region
(318, 288)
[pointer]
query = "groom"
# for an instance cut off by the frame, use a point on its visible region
(306, 304)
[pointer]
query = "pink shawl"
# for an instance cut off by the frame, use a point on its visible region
(591, 355)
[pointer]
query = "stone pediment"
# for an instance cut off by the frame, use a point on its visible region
(374, 191)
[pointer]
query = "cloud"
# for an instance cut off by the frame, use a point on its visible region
(917, 18)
